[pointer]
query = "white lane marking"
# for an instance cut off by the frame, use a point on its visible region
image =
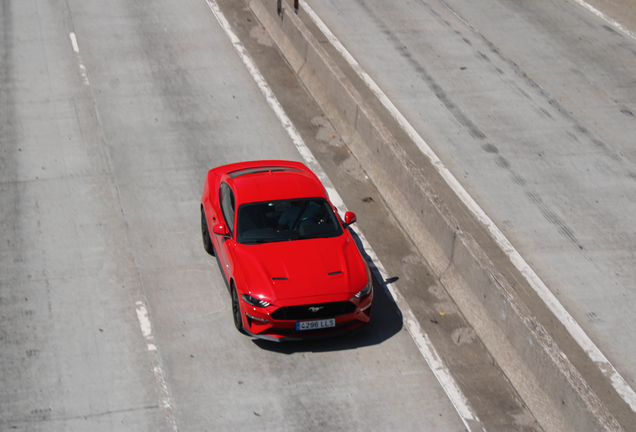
(605, 18)
(142, 312)
(260, 81)
(82, 69)
(422, 341)
(160, 379)
(584, 341)
(74, 43)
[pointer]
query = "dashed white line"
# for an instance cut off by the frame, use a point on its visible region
(618, 382)
(157, 369)
(74, 42)
(142, 313)
(422, 341)
(82, 69)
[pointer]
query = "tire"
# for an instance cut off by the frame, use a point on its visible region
(205, 232)
(236, 311)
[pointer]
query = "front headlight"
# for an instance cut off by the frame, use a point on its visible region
(365, 292)
(253, 301)
(367, 289)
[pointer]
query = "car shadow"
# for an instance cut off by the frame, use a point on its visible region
(386, 321)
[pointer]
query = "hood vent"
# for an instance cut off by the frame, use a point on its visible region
(279, 278)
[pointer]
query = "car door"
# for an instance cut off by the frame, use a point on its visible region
(226, 199)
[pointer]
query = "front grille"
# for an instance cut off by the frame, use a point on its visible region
(304, 312)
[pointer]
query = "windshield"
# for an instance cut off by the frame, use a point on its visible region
(282, 220)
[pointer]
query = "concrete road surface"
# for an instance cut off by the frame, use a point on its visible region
(112, 317)
(532, 106)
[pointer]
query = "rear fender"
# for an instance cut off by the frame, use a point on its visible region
(210, 189)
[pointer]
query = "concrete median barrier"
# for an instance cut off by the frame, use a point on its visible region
(550, 385)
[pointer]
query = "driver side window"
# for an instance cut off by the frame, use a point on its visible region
(227, 205)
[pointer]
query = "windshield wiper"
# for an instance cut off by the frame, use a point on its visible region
(259, 241)
(309, 237)
(272, 240)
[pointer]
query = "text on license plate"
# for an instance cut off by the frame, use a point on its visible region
(315, 325)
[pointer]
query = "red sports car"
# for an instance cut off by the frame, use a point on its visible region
(291, 266)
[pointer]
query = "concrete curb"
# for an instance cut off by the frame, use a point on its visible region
(555, 391)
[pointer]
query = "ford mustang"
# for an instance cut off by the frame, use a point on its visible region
(289, 261)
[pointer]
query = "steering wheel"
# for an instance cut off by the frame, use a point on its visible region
(305, 219)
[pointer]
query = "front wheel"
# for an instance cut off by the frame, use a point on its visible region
(205, 232)
(236, 311)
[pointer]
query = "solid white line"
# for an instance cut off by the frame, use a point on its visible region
(157, 370)
(584, 341)
(422, 341)
(260, 81)
(605, 18)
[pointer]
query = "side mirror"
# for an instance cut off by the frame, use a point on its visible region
(221, 230)
(350, 217)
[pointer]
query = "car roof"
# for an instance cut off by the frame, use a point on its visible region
(272, 180)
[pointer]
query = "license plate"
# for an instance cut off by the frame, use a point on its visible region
(315, 325)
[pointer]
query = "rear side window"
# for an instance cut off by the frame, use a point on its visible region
(227, 205)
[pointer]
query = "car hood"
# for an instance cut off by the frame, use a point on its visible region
(302, 268)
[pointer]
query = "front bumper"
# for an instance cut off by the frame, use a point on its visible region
(307, 335)
(285, 330)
